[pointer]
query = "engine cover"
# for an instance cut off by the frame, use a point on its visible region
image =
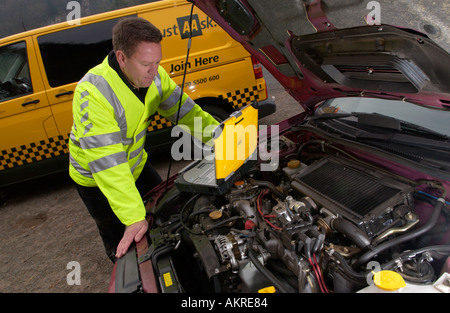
(366, 197)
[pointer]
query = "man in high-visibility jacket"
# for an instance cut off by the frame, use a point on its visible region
(112, 107)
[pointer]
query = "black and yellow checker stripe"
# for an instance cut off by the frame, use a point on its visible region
(33, 152)
(238, 98)
(158, 122)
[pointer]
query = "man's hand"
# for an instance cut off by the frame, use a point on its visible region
(133, 232)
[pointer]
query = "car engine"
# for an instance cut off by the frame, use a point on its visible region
(315, 224)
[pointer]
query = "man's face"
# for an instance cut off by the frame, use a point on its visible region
(142, 66)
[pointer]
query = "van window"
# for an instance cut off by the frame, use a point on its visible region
(71, 53)
(15, 78)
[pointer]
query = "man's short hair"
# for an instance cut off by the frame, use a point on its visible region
(130, 31)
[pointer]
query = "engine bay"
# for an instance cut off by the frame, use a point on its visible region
(315, 224)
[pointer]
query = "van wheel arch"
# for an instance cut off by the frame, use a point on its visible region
(219, 109)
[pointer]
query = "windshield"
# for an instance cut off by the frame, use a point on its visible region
(434, 119)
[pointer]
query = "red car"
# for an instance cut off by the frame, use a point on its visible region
(358, 188)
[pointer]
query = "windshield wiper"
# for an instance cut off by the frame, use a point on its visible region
(420, 130)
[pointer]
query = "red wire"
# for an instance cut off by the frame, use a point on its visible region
(317, 271)
(320, 274)
(317, 275)
(262, 194)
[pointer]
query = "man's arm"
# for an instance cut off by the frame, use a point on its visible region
(189, 112)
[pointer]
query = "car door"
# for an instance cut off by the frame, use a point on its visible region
(27, 127)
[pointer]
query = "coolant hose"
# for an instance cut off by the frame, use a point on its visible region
(351, 231)
(279, 286)
(439, 249)
(157, 253)
(269, 185)
(348, 270)
(388, 244)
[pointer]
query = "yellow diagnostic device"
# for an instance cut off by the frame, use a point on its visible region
(235, 152)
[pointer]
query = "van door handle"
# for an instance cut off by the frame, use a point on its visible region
(66, 93)
(30, 102)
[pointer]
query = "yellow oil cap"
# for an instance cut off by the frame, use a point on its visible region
(293, 164)
(239, 184)
(388, 280)
(270, 289)
(216, 214)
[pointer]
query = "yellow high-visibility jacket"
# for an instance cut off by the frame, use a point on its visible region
(108, 134)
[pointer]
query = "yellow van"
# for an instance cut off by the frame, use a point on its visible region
(39, 70)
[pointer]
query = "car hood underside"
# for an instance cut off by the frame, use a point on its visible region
(326, 49)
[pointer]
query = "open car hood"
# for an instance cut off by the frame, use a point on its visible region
(327, 49)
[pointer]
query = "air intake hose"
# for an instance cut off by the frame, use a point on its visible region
(351, 231)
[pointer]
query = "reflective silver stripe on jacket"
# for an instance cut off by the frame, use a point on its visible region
(109, 94)
(141, 135)
(73, 138)
(138, 161)
(157, 82)
(87, 128)
(79, 168)
(98, 141)
(185, 108)
(84, 105)
(136, 152)
(171, 100)
(85, 117)
(84, 94)
(108, 161)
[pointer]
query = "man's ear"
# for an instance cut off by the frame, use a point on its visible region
(121, 58)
